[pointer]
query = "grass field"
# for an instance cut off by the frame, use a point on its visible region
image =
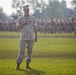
(39, 34)
(51, 56)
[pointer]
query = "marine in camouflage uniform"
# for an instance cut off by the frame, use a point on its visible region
(74, 25)
(26, 25)
(1, 25)
(52, 23)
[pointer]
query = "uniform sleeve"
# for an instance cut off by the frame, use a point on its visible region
(34, 21)
(18, 21)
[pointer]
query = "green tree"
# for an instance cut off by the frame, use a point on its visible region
(74, 3)
(18, 4)
(54, 9)
(74, 7)
(38, 7)
(64, 8)
(3, 16)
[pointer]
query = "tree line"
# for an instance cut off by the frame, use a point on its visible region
(41, 9)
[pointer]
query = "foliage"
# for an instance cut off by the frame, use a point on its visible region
(74, 7)
(41, 9)
(54, 10)
(3, 16)
(18, 4)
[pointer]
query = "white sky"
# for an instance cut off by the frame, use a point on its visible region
(7, 8)
(6, 5)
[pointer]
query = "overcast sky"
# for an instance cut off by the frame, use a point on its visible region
(6, 5)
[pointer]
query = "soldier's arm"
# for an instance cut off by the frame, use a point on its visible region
(35, 31)
(20, 26)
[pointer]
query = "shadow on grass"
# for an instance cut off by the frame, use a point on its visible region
(33, 72)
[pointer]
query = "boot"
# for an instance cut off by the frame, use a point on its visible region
(27, 66)
(18, 67)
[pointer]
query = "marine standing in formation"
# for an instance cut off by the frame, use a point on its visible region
(28, 34)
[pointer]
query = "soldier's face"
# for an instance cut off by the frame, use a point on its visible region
(26, 11)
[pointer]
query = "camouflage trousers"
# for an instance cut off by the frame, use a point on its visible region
(28, 44)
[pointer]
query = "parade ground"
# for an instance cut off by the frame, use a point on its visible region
(53, 54)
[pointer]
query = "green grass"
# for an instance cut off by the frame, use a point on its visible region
(3, 33)
(9, 44)
(51, 56)
(56, 34)
(40, 66)
(44, 47)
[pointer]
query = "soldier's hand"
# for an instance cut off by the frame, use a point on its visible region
(25, 23)
(35, 39)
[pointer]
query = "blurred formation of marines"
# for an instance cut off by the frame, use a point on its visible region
(28, 35)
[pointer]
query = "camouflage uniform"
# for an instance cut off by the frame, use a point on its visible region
(26, 38)
(1, 25)
(74, 25)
